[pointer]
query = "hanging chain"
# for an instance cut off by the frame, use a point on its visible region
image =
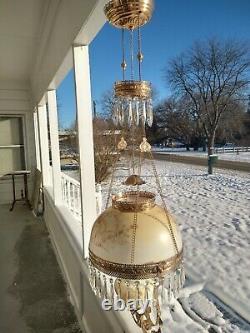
(159, 187)
(123, 64)
(135, 217)
(139, 56)
(163, 201)
(133, 150)
(114, 167)
(134, 228)
(132, 53)
(112, 179)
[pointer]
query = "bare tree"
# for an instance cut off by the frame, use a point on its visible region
(231, 127)
(105, 142)
(107, 104)
(212, 75)
(174, 122)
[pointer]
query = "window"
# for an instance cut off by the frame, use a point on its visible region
(12, 156)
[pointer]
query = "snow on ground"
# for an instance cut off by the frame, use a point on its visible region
(229, 156)
(213, 213)
(241, 157)
(214, 217)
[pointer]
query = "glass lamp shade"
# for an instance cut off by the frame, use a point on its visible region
(139, 263)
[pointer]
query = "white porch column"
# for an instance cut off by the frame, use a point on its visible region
(55, 151)
(37, 141)
(44, 143)
(85, 141)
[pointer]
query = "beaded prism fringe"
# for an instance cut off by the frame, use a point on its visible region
(162, 289)
(128, 111)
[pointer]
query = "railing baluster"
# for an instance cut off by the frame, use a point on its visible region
(62, 187)
(68, 193)
(78, 201)
(73, 199)
(71, 194)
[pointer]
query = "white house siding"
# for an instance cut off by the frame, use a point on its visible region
(15, 100)
(66, 236)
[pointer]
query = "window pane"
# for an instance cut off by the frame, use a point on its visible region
(11, 144)
(11, 131)
(12, 159)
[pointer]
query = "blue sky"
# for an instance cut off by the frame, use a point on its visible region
(175, 25)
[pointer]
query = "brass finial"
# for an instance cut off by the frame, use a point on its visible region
(123, 65)
(122, 144)
(140, 57)
(145, 147)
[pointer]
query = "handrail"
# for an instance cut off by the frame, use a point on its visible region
(72, 180)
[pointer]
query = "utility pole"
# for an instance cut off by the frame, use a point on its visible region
(94, 109)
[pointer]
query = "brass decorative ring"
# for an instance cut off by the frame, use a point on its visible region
(129, 14)
(132, 89)
(136, 272)
(133, 201)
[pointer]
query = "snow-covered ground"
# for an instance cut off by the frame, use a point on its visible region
(214, 215)
(230, 156)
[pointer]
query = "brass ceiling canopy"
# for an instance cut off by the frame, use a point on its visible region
(132, 89)
(129, 14)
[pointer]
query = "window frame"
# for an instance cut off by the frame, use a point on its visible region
(23, 125)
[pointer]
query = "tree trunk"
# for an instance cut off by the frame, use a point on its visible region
(210, 149)
(210, 144)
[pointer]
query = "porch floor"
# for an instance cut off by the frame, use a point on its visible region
(33, 296)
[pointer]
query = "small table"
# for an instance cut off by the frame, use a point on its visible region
(25, 174)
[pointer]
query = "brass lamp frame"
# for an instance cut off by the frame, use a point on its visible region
(137, 272)
(133, 89)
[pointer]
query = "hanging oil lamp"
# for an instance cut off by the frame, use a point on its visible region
(135, 249)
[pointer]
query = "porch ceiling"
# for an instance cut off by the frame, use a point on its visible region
(19, 36)
(36, 38)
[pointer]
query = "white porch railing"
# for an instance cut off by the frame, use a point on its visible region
(71, 195)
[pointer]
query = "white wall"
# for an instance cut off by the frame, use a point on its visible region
(15, 100)
(66, 236)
